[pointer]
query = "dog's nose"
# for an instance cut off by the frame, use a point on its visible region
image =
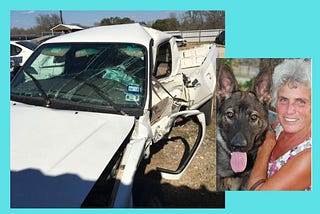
(238, 142)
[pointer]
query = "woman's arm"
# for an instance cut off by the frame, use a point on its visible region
(259, 170)
(294, 175)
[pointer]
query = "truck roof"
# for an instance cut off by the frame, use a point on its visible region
(128, 33)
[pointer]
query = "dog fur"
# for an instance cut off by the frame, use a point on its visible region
(241, 124)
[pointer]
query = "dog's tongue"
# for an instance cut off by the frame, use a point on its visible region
(238, 161)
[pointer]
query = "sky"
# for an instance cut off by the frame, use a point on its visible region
(27, 18)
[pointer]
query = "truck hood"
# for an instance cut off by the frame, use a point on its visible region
(70, 147)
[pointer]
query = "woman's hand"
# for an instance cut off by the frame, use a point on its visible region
(259, 171)
(268, 143)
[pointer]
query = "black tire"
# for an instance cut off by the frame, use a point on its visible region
(207, 109)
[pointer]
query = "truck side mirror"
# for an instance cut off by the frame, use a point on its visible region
(163, 69)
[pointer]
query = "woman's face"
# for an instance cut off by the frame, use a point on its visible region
(294, 107)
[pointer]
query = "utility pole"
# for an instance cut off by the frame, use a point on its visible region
(61, 19)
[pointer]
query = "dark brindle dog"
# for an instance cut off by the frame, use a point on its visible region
(242, 121)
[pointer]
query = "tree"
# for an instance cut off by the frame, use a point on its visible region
(203, 19)
(193, 20)
(215, 19)
(46, 22)
(22, 31)
(17, 31)
(166, 24)
(268, 64)
(115, 21)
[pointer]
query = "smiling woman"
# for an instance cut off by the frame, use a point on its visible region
(294, 107)
(284, 160)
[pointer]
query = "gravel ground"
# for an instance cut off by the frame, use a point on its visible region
(197, 186)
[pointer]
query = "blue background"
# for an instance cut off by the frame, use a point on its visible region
(255, 29)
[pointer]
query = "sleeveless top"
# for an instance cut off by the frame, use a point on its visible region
(274, 166)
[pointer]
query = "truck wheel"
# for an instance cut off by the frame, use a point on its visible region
(207, 109)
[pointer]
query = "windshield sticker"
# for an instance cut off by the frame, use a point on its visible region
(132, 98)
(118, 75)
(133, 89)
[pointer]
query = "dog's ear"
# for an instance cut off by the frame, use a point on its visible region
(227, 83)
(262, 87)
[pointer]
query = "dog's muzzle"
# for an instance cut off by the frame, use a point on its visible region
(238, 159)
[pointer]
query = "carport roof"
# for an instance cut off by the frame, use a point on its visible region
(62, 27)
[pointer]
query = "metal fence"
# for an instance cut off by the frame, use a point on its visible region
(198, 35)
(191, 36)
(23, 37)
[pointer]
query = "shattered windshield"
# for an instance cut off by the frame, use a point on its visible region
(107, 76)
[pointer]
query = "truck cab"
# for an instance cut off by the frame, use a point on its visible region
(87, 106)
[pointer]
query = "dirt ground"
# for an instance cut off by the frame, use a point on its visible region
(196, 188)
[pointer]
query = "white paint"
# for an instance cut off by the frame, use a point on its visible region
(57, 142)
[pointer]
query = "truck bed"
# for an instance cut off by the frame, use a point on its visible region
(194, 57)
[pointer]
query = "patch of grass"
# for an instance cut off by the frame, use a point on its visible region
(247, 84)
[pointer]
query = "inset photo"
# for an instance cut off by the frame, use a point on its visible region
(263, 124)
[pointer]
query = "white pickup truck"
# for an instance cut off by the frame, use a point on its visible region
(87, 106)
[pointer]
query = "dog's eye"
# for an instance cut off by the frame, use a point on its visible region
(230, 114)
(254, 117)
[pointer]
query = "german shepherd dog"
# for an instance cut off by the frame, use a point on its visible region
(242, 122)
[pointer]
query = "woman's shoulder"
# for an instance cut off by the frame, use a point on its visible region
(276, 126)
(307, 144)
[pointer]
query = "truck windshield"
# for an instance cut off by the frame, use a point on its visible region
(103, 76)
